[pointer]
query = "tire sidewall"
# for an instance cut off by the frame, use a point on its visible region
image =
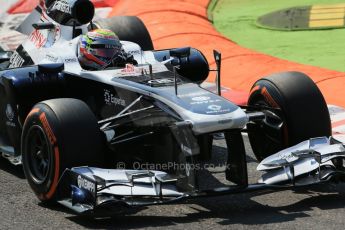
(262, 91)
(44, 118)
(300, 104)
(74, 140)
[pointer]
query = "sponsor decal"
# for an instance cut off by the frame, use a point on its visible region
(214, 107)
(51, 58)
(20, 58)
(61, 6)
(109, 46)
(16, 60)
(10, 116)
(204, 100)
(201, 98)
(70, 60)
(133, 52)
(47, 129)
(131, 70)
(110, 99)
(162, 81)
(86, 184)
(38, 39)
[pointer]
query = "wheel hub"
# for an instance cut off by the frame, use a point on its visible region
(38, 152)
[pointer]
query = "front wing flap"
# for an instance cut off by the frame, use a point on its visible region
(90, 190)
(85, 189)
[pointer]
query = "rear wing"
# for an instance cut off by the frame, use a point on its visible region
(75, 14)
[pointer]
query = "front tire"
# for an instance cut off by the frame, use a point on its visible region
(299, 113)
(58, 134)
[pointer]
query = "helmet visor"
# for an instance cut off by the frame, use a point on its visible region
(106, 53)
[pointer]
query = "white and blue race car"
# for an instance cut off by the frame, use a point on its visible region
(134, 135)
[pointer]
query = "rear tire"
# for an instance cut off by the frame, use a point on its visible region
(128, 28)
(303, 113)
(58, 134)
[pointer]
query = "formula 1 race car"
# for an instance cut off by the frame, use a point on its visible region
(81, 134)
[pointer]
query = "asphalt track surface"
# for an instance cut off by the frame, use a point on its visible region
(319, 208)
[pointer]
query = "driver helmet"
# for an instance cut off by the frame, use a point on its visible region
(97, 48)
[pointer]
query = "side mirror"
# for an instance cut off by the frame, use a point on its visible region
(180, 52)
(194, 66)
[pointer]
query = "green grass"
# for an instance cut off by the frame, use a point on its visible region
(236, 20)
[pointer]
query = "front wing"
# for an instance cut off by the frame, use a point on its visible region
(90, 190)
